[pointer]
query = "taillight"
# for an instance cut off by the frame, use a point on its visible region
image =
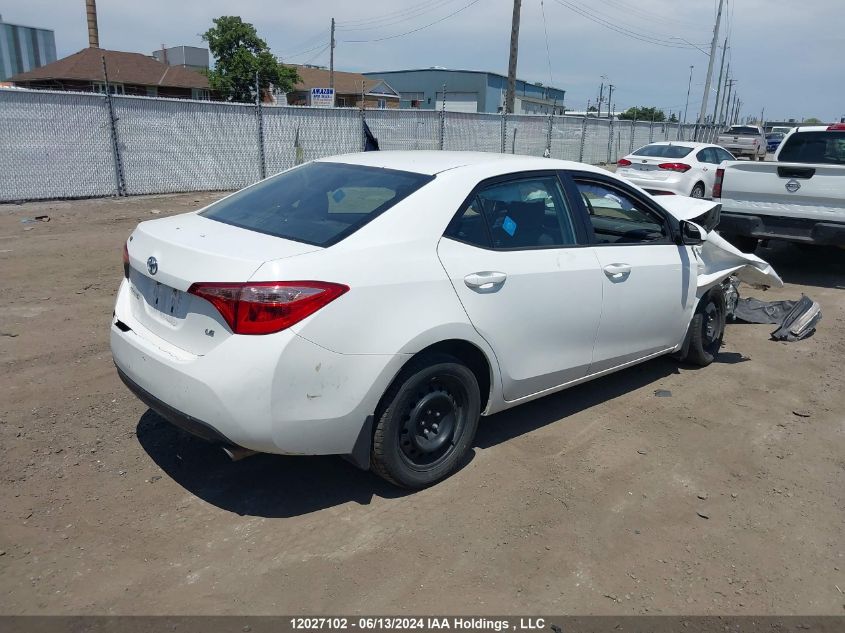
(681, 167)
(126, 259)
(623, 162)
(836, 127)
(717, 184)
(265, 307)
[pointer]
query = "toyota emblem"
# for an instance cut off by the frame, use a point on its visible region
(152, 265)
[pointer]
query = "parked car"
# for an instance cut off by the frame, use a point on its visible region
(375, 305)
(799, 197)
(773, 141)
(674, 168)
(744, 140)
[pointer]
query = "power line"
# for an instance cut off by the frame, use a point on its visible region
(319, 36)
(648, 15)
(393, 14)
(390, 37)
(621, 30)
(383, 22)
(607, 17)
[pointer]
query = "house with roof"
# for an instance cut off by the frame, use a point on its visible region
(348, 87)
(128, 73)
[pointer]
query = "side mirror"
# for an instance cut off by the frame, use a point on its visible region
(691, 233)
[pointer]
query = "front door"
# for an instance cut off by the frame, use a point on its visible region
(648, 282)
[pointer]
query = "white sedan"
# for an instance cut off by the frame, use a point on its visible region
(674, 168)
(376, 305)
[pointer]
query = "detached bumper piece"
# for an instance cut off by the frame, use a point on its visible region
(796, 319)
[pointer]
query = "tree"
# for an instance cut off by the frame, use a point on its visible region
(643, 113)
(238, 55)
(812, 121)
(592, 108)
(673, 118)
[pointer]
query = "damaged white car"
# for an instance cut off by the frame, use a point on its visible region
(376, 305)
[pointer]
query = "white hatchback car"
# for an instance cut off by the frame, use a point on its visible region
(674, 168)
(375, 305)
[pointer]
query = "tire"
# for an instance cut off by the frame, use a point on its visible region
(707, 329)
(697, 191)
(427, 422)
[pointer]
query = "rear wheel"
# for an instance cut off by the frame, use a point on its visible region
(698, 190)
(428, 421)
(707, 329)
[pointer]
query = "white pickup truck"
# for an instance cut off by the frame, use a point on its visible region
(798, 197)
(744, 140)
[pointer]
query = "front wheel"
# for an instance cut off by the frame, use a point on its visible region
(697, 191)
(707, 328)
(428, 421)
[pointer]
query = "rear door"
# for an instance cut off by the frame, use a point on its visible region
(527, 278)
(648, 282)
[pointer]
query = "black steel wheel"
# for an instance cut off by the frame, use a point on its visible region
(707, 328)
(429, 418)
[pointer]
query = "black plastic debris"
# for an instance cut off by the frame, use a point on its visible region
(800, 322)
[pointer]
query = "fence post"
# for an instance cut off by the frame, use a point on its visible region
(609, 140)
(548, 152)
(665, 130)
(504, 129)
(115, 146)
(442, 133)
(583, 139)
(633, 132)
(262, 165)
(651, 132)
(363, 120)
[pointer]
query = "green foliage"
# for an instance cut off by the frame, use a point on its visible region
(592, 108)
(239, 54)
(812, 121)
(643, 113)
(673, 118)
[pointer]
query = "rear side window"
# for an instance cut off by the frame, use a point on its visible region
(663, 151)
(318, 203)
(814, 147)
(524, 213)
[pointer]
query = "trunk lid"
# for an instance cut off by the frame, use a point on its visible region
(186, 249)
(647, 167)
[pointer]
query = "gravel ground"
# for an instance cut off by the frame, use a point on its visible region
(726, 497)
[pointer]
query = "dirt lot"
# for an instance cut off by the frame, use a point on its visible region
(726, 497)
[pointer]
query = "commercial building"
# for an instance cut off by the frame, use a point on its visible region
(348, 87)
(469, 91)
(23, 48)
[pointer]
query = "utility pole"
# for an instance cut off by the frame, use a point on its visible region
(511, 94)
(719, 85)
(729, 103)
(331, 63)
(601, 98)
(610, 88)
(713, 45)
(689, 85)
(724, 92)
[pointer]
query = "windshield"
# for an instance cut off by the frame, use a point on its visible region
(318, 203)
(743, 130)
(826, 147)
(663, 151)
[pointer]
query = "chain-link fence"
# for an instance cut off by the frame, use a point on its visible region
(79, 145)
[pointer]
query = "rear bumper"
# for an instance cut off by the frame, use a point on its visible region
(278, 393)
(781, 228)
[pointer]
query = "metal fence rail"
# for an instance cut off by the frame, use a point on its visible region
(79, 145)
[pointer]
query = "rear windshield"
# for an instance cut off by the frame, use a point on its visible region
(663, 151)
(814, 147)
(742, 130)
(318, 203)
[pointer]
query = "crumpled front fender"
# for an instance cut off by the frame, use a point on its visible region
(719, 259)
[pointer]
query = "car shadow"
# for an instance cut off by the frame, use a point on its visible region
(818, 266)
(277, 486)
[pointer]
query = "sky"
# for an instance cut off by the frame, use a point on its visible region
(786, 56)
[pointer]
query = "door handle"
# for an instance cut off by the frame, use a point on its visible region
(617, 272)
(485, 280)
